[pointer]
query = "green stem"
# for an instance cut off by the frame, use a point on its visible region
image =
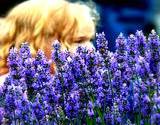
(15, 118)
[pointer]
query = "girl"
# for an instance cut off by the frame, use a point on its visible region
(40, 22)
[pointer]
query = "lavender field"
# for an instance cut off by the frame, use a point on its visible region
(89, 87)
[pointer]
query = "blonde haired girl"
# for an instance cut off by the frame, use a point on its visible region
(40, 22)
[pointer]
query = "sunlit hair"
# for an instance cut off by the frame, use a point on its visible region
(40, 22)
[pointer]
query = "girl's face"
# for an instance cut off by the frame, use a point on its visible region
(82, 38)
(85, 32)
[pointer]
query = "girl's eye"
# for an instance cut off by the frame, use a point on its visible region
(81, 39)
(78, 41)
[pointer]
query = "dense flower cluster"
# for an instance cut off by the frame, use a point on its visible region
(89, 87)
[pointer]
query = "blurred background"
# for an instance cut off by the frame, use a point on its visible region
(116, 16)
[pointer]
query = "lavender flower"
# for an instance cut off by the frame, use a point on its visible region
(42, 69)
(2, 113)
(38, 109)
(15, 64)
(58, 57)
(90, 109)
(154, 45)
(24, 51)
(72, 105)
(102, 44)
(156, 119)
(89, 86)
(141, 44)
(132, 51)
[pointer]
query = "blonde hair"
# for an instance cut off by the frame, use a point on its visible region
(39, 22)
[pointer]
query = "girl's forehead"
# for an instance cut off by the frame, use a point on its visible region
(86, 28)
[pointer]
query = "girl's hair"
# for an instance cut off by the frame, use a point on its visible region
(40, 22)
